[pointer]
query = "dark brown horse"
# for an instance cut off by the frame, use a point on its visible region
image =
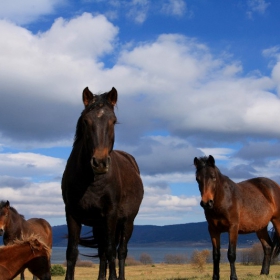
(101, 187)
(14, 226)
(29, 253)
(244, 207)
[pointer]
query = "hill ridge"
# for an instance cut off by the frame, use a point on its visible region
(189, 234)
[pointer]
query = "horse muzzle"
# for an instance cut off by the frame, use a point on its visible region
(100, 166)
(207, 205)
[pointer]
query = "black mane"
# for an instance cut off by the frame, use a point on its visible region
(202, 162)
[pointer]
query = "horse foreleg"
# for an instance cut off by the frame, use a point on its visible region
(110, 250)
(125, 235)
(102, 262)
(74, 230)
(215, 238)
(267, 249)
(233, 234)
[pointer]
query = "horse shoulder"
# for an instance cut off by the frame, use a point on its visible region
(126, 158)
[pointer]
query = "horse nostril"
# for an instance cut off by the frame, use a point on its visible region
(94, 162)
(210, 203)
(100, 165)
(207, 205)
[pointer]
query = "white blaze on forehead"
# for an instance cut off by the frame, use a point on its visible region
(100, 113)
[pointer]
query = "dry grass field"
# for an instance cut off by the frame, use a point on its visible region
(174, 272)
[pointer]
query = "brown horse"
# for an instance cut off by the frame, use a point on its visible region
(244, 207)
(101, 187)
(14, 226)
(24, 253)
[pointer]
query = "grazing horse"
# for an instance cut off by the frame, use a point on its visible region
(235, 208)
(24, 253)
(14, 226)
(101, 187)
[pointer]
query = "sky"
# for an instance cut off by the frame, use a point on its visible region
(194, 78)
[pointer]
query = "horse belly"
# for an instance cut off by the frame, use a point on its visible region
(254, 217)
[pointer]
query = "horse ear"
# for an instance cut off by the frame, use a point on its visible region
(195, 162)
(7, 204)
(112, 96)
(87, 96)
(211, 161)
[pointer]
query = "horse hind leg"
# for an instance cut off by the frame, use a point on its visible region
(267, 249)
(276, 238)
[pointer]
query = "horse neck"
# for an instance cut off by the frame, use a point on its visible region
(20, 255)
(220, 181)
(80, 161)
(14, 226)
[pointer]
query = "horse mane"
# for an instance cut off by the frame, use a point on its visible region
(78, 134)
(32, 240)
(2, 204)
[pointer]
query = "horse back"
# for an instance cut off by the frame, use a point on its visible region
(258, 200)
(41, 228)
(260, 188)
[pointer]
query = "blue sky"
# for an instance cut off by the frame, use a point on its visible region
(194, 78)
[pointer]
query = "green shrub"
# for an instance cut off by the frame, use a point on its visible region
(57, 270)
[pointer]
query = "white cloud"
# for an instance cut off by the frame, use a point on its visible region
(138, 10)
(173, 87)
(42, 200)
(182, 84)
(257, 6)
(30, 165)
(83, 37)
(174, 7)
(158, 205)
(25, 12)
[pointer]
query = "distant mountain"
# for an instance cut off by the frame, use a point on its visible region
(191, 234)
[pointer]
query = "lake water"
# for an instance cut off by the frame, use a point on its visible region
(156, 253)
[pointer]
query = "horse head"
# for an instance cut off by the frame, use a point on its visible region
(98, 120)
(206, 179)
(4, 213)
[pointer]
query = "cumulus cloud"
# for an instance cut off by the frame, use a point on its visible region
(30, 165)
(36, 199)
(50, 69)
(177, 100)
(174, 78)
(159, 154)
(16, 11)
(159, 204)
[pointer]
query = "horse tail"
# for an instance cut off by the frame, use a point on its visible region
(275, 243)
(88, 241)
